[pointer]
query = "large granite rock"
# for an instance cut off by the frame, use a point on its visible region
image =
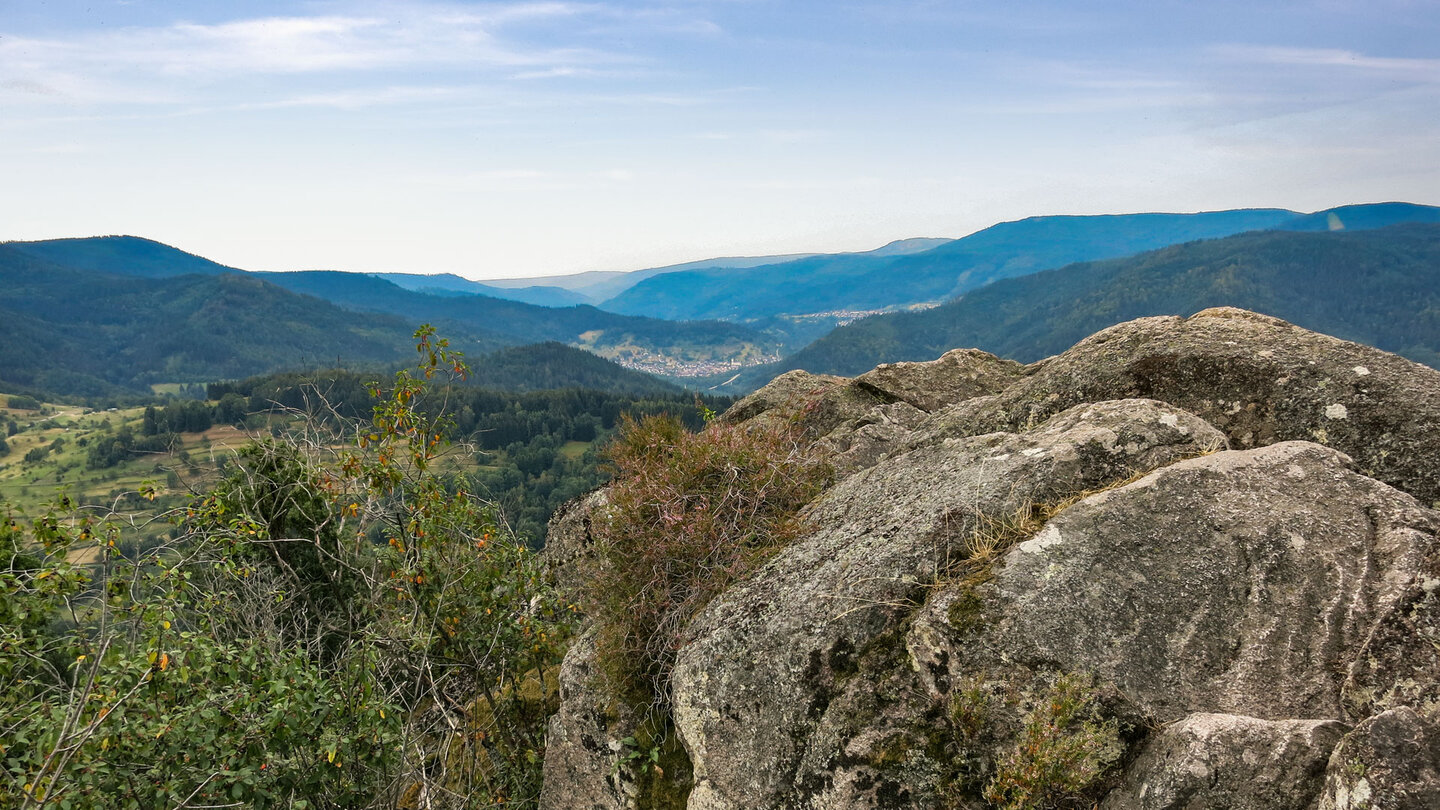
(1229, 762)
(1258, 379)
(1055, 586)
(764, 657)
(958, 375)
(582, 750)
(866, 419)
(1216, 584)
(1389, 762)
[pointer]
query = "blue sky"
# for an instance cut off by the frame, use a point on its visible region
(496, 139)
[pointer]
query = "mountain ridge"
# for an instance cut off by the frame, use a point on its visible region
(1380, 287)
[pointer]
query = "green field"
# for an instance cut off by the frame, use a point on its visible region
(47, 460)
(62, 434)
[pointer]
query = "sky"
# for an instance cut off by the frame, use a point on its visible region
(501, 139)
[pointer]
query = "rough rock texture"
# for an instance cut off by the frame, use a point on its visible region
(862, 442)
(1390, 761)
(765, 656)
(1188, 563)
(570, 541)
(820, 402)
(1218, 584)
(1258, 379)
(958, 375)
(1228, 761)
(865, 419)
(581, 756)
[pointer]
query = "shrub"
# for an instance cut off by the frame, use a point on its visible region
(1065, 747)
(688, 514)
(327, 629)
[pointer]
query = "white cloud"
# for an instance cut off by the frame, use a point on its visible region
(1413, 69)
(181, 60)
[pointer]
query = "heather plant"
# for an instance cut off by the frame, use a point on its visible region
(688, 514)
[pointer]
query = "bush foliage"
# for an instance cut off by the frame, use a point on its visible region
(688, 514)
(1065, 748)
(326, 629)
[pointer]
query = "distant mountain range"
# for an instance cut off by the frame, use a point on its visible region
(861, 283)
(598, 286)
(109, 315)
(1380, 287)
(105, 314)
(449, 284)
(649, 343)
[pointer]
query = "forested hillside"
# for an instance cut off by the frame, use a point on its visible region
(1379, 287)
(122, 255)
(82, 333)
(870, 281)
(111, 316)
(533, 450)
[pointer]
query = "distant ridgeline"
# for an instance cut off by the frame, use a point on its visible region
(848, 284)
(109, 316)
(1378, 287)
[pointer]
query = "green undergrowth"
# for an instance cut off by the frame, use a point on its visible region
(1065, 748)
(657, 762)
(326, 627)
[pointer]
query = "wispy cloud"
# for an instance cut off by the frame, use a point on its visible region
(1410, 68)
(180, 60)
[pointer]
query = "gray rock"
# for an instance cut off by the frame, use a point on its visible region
(1230, 762)
(1217, 584)
(867, 418)
(1389, 762)
(1400, 662)
(818, 402)
(958, 375)
(764, 660)
(570, 549)
(582, 753)
(861, 443)
(1254, 600)
(1258, 379)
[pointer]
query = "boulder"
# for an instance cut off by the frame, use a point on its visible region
(570, 541)
(1258, 379)
(958, 375)
(1168, 568)
(582, 749)
(1390, 761)
(819, 402)
(764, 659)
(1217, 584)
(1229, 762)
(865, 419)
(862, 442)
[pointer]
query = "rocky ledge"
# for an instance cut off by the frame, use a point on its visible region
(1189, 563)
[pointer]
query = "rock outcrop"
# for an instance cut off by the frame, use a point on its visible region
(1188, 563)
